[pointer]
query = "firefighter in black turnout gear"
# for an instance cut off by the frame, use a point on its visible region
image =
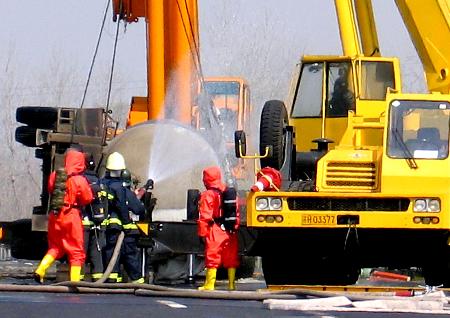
(129, 255)
(93, 224)
(122, 202)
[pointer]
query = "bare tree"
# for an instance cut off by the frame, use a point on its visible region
(59, 83)
(19, 172)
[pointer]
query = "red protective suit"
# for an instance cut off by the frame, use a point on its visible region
(65, 231)
(221, 247)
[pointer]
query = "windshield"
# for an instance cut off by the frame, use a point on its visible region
(223, 94)
(225, 98)
(418, 129)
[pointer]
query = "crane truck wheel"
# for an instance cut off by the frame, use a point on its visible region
(37, 117)
(280, 269)
(26, 135)
(25, 243)
(274, 120)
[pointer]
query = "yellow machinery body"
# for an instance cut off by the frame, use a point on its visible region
(378, 176)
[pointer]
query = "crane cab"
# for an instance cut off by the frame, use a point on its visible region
(327, 92)
(229, 98)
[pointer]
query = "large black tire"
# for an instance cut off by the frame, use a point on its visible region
(281, 269)
(274, 120)
(25, 243)
(37, 116)
(289, 270)
(436, 270)
(26, 135)
(245, 269)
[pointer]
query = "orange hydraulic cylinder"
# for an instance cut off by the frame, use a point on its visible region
(156, 61)
(172, 58)
(173, 62)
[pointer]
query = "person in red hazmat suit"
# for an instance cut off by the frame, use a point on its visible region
(221, 245)
(65, 230)
(268, 179)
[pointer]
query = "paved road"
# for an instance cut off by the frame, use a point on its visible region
(46, 305)
(49, 305)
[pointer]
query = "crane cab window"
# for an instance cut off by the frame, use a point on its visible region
(376, 77)
(339, 98)
(308, 98)
(341, 94)
(418, 129)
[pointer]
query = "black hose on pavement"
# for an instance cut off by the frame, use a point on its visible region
(113, 260)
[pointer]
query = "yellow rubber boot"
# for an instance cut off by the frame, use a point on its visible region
(39, 273)
(96, 276)
(139, 281)
(232, 279)
(210, 280)
(75, 273)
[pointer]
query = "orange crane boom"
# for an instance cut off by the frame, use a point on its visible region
(173, 61)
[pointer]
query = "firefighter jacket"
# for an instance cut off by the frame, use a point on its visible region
(221, 246)
(122, 201)
(65, 231)
(136, 207)
(86, 212)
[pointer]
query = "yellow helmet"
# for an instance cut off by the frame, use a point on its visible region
(115, 161)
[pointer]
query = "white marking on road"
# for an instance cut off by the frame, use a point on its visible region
(171, 304)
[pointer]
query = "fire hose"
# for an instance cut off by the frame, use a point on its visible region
(113, 260)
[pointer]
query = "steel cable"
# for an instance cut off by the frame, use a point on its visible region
(95, 53)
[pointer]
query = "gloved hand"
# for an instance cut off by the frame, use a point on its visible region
(149, 185)
(139, 193)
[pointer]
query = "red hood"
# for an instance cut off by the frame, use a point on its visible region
(212, 178)
(74, 162)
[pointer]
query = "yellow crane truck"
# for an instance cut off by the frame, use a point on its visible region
(366, 172)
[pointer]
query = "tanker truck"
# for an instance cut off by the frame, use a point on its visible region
(179, 128)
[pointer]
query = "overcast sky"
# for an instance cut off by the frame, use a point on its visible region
(259, 40)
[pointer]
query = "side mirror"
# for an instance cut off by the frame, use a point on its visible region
(240, 143)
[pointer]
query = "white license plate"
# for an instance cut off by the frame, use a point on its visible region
(318, 219)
